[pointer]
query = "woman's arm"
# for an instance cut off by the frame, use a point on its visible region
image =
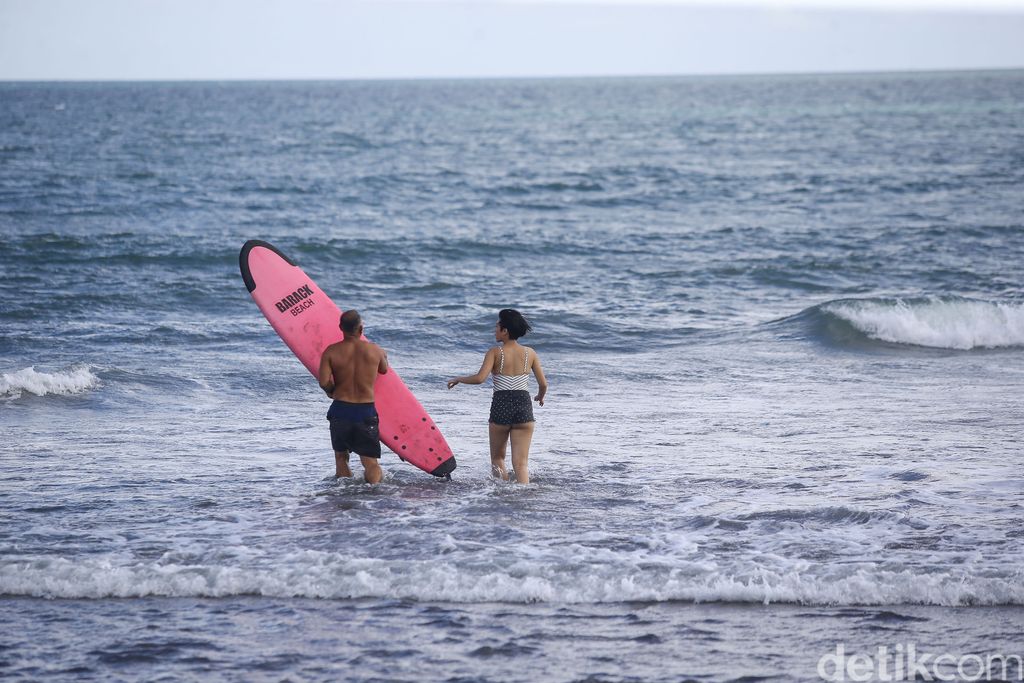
(542, 382)
(479, 377)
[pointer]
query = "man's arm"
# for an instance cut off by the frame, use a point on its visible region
(325, 375)
(382, 366)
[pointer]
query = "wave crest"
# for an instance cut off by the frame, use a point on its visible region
(73, 381)
(935, 322)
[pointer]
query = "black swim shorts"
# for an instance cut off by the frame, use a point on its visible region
(355, 428)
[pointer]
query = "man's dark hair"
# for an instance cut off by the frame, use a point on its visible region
(350, 321)
(513, 322)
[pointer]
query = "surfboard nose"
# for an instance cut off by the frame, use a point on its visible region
(243, 260)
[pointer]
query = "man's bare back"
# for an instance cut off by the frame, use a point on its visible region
(349, 368)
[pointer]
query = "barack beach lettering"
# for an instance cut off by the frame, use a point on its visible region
(295, 298)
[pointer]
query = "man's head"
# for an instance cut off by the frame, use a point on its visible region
(351, 323)
(513, 322)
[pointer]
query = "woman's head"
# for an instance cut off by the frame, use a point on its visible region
(513, 322)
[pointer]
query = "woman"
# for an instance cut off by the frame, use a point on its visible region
(511, 410)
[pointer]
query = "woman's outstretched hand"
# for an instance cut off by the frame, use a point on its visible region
(452, 383)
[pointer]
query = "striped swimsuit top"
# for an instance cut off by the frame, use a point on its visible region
(512, 382)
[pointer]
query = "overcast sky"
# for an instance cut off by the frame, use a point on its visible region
(340, 39)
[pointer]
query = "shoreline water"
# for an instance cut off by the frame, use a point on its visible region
(264, 639)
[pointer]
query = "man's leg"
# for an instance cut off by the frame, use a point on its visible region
(341, 464)
(371, 467)
(522, 435)
(499, 438)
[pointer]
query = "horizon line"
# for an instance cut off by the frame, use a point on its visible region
(544, 77)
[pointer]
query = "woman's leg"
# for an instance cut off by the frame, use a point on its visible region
(522, 435)
(499, 437)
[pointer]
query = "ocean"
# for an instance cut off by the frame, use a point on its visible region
(782, 319)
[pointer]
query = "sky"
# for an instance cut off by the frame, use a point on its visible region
(346, 39)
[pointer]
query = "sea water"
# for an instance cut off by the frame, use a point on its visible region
(782, 319)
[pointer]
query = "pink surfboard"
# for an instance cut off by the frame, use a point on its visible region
(307, 321)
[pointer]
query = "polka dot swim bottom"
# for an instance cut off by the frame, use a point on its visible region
(511, 407)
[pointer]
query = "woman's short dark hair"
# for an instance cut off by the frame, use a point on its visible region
(513, 322)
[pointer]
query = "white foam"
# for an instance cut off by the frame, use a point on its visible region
(324, 575)
(945, 323)
(74, 381)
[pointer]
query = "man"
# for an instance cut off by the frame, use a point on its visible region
(347, 372)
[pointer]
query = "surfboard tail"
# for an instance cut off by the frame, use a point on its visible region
(444, 469)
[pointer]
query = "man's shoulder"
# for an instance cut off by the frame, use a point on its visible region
(332, 348)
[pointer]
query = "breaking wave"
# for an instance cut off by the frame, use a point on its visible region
(73, 381)
(328, 575)
(935, 322)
